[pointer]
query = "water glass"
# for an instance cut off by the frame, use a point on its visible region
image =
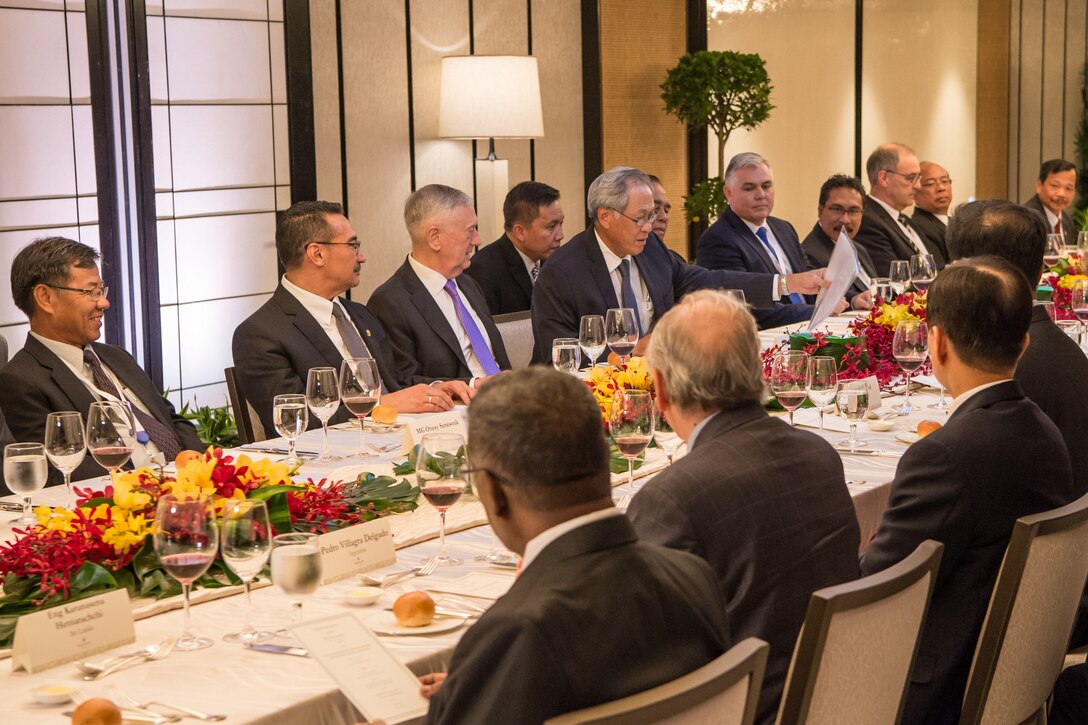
(25, 472)
(290, 416)
(621, 331)
(566, 355)
(899, 275)
(1052, 252)
(323, 398)
(296, 568)
(1082, 242)
(880, 288)
(852, 402)
(788, 379)
(910, 347)
(923, 269)
(821, 382)
(1079, 303)
(246, 542)
(439, 465)
(591, 337)
(65, 444)
(185, 537)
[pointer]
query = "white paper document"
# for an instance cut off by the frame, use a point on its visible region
(374, 680)
(841, 271)
(477, 584)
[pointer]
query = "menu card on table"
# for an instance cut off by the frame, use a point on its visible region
(72, 631)
(375, 681)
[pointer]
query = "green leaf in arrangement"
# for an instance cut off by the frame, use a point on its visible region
(146, 560)
(617, 462)
(369, 488)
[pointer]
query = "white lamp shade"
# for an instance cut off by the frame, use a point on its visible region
(490, 96)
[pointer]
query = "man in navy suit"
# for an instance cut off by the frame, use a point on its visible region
(508, 268)
(619, 262)
(748, 239)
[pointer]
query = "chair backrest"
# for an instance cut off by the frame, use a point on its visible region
(856, 648)
(250, 429)
(1026, 631)
(516, 329)
(722, 692)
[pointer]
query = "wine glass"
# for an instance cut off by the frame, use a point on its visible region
(788, 379)
(439, 462)
(631, 422)
(360, 388)
(1082, 242)
(566, 355)
(899, 275)
(1071, 328)
(110, 434)
(852, 403)
(591, 337)
(246, 542)
(821, 382)
(1052, 252)
(664, 435)
(881, 289)
(323, 397)
(290, 416)
(296, 568)
(621, 331)
(65, 443)
(25, 472)
(923, 268)
(910, 349)
(186, 538)
(737, 294)
(1078, 301)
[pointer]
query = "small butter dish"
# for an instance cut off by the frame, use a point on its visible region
(880, 426)
(362, 596)
(52, 694)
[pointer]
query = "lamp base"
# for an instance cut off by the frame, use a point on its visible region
(492, 184)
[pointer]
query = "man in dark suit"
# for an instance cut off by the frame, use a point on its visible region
(662, 207)
(839, 208)
(886, 232)
(764, 504)
(508, 268)
(306, 324)
(619, 262)
(595, 614)
(931, 203)
(55, 281)
(435, 315)
(996, 459)
(1055, 190)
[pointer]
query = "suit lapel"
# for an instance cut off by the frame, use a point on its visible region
(599, 271)
(785, 238)
(906, 247)
(428, 310)
(516, 266)
(754, 245)
(656, 275)
(71, 385)
(305, 323)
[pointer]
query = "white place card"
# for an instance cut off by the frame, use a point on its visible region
(375, 681)
(72, 631)
(355, 550)
(478, 585)
(452, 421)
(871, 384)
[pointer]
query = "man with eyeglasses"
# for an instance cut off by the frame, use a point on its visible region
(931, 204)
(1055, 190)
(886, 231)
(619, 262)
(839, 209)
(55, 281)
(307, 324)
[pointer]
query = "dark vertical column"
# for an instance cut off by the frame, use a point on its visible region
(698, 160)
(592, 130)
(300, 100)
(411, 92)
(859, 27)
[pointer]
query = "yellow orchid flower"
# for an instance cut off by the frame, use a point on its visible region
(56, 519)
(127, 496)
(1070, 280)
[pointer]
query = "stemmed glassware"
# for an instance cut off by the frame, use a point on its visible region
(881, 289)
(899, 275)
(821, 382)
(439, 462)
(1052, 252)
(186, 538)
(631, 422)
(621, 331)
(323, 397)
(664, 435)
(788, 379)
(360, 388)
(246, 542)
(1079, 303)
(110, 434)
(910, 349)
(1082, 242)
(296, 568)
(591, 337)
(65, 443)
(290, 416)
(923, 269)
(25, 472)
(566, 355)
(852, 403)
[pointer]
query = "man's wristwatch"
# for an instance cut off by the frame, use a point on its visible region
(783, 286)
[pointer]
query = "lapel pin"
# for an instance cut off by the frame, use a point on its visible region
(368, 333)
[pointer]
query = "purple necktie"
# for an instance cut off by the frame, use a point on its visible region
(475, 337)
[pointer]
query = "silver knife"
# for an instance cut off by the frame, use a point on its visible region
(15, 508)
(280, 649)
(884, 454)
(130, 716)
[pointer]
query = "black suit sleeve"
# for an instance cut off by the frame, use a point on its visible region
(554, 311)
(659, 520)
(384, 305)
(264, 369)
(689, 277)
(875, 241)
(714, 252)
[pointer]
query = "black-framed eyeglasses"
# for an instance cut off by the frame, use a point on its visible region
(95, 293)
(355, 244)
(909, 177)
(648, 219)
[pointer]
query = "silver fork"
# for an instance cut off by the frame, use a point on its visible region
(428, 568)
(383, 449)
(624, 502)
(79, 696)
(130, 703)
(164, 648)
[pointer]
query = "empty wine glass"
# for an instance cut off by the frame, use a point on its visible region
(788, 379)
(323, 397)
(821, 382)
(910, 349)
(1052, 252)
(296, 569)
(591, 337)
(566, 355)
(1079, 303)
(664, 435)
(1082, 242)
(737, 294)
(852, 403)
(631, 423)
(25, 472)
(899, 275)
(246, 542)
(360, 388)
(439, 462)
(111, 433)
(186, 538)
(290, 416)
(923, 269)
(65, 443)
(880, 288)
(621, 331)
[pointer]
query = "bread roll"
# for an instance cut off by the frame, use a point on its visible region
(926, 427)
(414, 609)
(384, 414)
(96, 711)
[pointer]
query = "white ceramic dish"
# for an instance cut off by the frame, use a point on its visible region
(907, 437)
(386, 623)
(362, 596)
(880, 426)
(52, 694)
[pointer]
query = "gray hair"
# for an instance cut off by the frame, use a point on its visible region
(427, 200)
(746, 160)
(707, 351)
(48, 261)
(885, 158)
(612, 189)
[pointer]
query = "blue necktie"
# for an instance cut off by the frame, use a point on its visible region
(475, 337)
(628, 292)
(794, 298)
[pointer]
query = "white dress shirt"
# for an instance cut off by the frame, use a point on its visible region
(912, 235)
(612, 264)
(963, 397)
(1051, 219)
(782, 262)
(529, 264)
(699, 429)
(321, 310)
(539, 542)
(435, 284)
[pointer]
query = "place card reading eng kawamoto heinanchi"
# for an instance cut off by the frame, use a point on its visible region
(72, 631)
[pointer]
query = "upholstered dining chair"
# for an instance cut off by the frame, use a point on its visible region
(1026, 631)
(722, 692)
(249, 425)
(516, 329)
(854, 654)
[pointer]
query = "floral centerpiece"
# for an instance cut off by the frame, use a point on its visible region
(605, 381)
(104, 542)
(1061, 278)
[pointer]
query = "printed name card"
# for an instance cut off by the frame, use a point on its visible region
(356, 549)
(452, 421)
(871, 385)
(72, 631)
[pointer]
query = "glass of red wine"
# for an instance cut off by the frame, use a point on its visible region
(631, 423)
(186, 537)
(621, 331)
(360, 388)
(1079, 303)
(110, 434)
(788, 371)
(911, 349)
(439, 461)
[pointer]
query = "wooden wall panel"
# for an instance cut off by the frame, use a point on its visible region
(992, 116)
(1030, 103)
(330, 186)
(1076, 23)
(1053, 79)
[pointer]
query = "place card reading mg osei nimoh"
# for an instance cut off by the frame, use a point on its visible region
(72, 631)
(450, 422)
(355, 550)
